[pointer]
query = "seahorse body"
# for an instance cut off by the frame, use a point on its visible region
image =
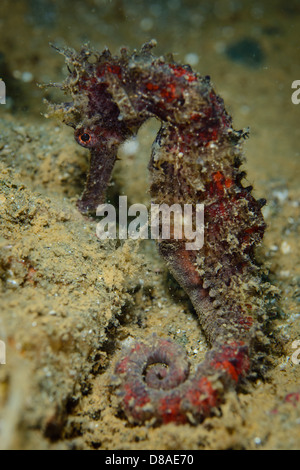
(196, 159)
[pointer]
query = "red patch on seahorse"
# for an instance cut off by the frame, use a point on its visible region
(169, 409)
(203, 396)
(182, 72)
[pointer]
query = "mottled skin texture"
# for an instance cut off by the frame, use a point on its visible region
(196, 158)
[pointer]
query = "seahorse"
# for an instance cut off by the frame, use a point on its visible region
(196, 159)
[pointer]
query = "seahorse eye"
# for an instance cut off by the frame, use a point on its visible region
(85, 138)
